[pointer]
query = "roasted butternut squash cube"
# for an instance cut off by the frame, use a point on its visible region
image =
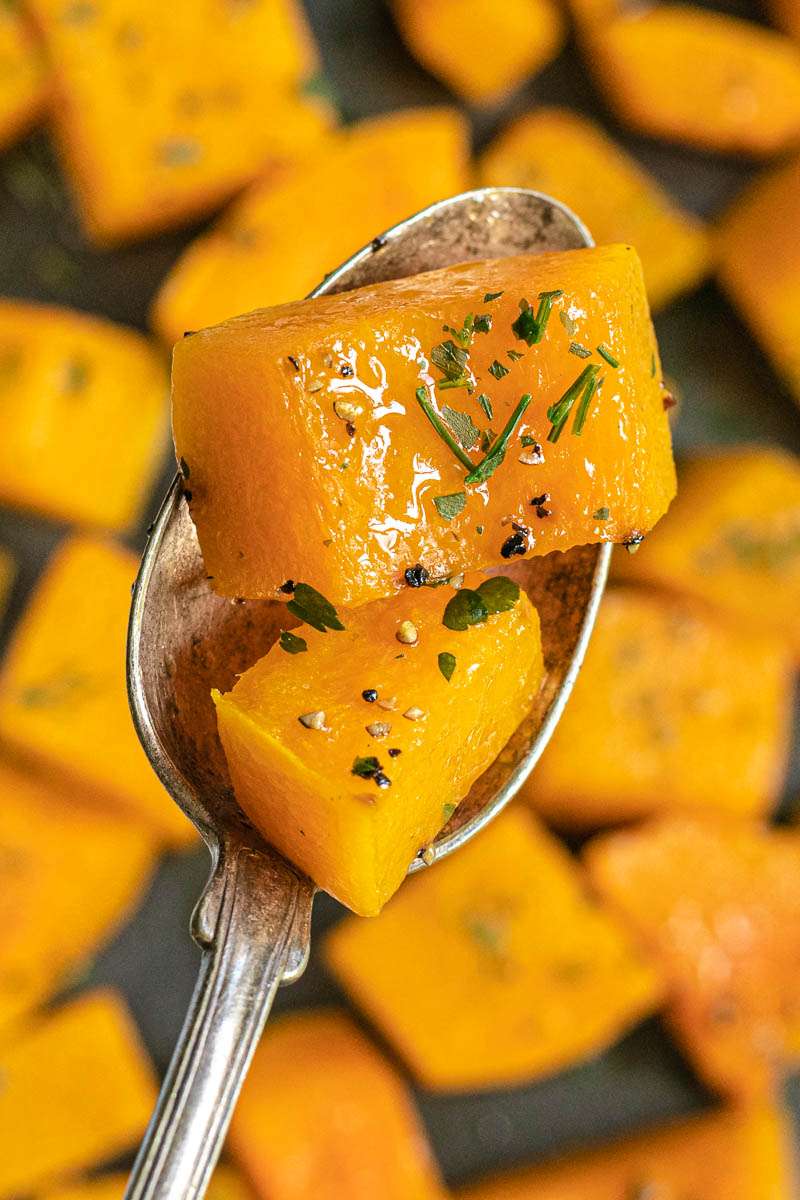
(554, 151)
(732, 538)
(351, 751)
(382, 391)
(340, 1127)
(78, 1090)
(675, 707)
(482, 52)
(184, 103)
(63, 699)
(226, 1184)
(278, 240)
(725, 1155)
(7, 571)
(716, 901)
(83, 415)
(701, 78)
(23, 76)
(496, 967)
(53, 917)
(758, 253)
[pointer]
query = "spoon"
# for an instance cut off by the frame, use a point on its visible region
(252, 921)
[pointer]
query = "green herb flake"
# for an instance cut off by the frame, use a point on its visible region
(463, 335)
(486, 405)
(291, 643)
(461, 425)
(487, 438)
(312, 608)
(488, 465)
(529, 328)
(365, 768)
(567, 321)
(558, 413)
(498, 370)
(450, 359)
(652, 366)
(608, 356)
(482, 323)
(76, 376)
(479, 529)
(514, 355)
(440, 427)
(463, 609)
(528, 440)
(581, 351)
(450, 506)
(602, 514)
(499, 594)
(491, 296)
(447, 812)
(447, 664)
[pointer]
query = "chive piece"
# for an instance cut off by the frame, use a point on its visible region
(499, 594)
(463, 609)
(482, 323)
(440, 427)
(312, 608)
(529, 328)
(581, 351)
(447, 809)
(498, 370)
(558, 413)
(602, 514)
(461, 426)
(607, 355)
(488, 465)
(491, 296)
(447, 664)
(291, 643)
(514, 355)
(485, 404)
(450, 506)
(582, 411)
(567, 321)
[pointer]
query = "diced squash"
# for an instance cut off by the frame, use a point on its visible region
(63, 699)
(496, 967)
(83, 414)
(726, 1155)
(555, 151)
(786, 15)
(7, 571)
(674, 707)
(344, 381)
(78, 1090)
(352, 790)
(701, 78)
(717, 903)
(164, 111)
(23, 76)
(758, 252)
(732, 538)
(323, 1116)
(226, 1184)
(277, 242)
(68, 878)
(481, 51)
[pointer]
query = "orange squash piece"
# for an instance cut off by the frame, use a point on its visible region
(23, 76)
(405, 715)
(7, 572)
(226, 1184)
(277, 242)
(555, 151)
(68, 879)
(674, 707)
(758, 252)
(701, 78)
(786, 15)
(732, 538)
(482, 52)
(63, 699)
(325, 399)
(725, 1155)
(78, 1090)
(341, 1126)
(83, 414)
(184, 103)
(496, 967)
(717, 902)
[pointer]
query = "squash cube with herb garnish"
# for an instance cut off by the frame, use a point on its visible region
(463, 387)
(341, 1126)
(716, 902)
(24, 78)
(351, 754)
(63, 699)
(83, 414)
(279, 239)
(496, 967)
(674, 708)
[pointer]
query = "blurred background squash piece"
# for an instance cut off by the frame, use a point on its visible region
(24, 78)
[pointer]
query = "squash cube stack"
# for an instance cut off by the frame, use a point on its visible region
(24, 85)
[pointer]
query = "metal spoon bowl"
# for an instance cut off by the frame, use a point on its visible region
(252, 921)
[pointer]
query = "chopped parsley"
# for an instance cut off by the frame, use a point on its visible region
(607, 355)
(529, 328)
(312, 608)
(491, 296)
(482, 323)
(447, 664)
(450, 506)
(440, 427)
(291, 643)
(498, 370)
(464, 334)
(468, 607)
(499, 594)
(451, 360)
(581, 390)
(495, 455)
(365, 767)
(514, 355)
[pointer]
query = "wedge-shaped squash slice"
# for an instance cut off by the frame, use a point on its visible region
(226, 1184)
(734, 86)
(675, 707)
(78, 1090)
(7, 571)
(339, 441)
(496, 967)
(63, 700)
(184, 103)
(69, 877)
(341, 1126)
(482, 52)
(732, 538)
(717, 903)
(83, 414)
(350, 748)
(727, 1155)
(277, 242)
(758, 252)
(23, 76)
(555, 151)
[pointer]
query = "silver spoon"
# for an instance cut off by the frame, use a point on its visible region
(252, 921)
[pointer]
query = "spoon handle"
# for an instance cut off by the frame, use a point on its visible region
(252, 923)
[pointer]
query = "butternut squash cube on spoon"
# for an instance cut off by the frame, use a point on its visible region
(341, 1124)
(279, 239)
(24, 78)
(351, 751)
(495, 409)
(716, 902)
(497, 967)
(83, 414)
(695, 713)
